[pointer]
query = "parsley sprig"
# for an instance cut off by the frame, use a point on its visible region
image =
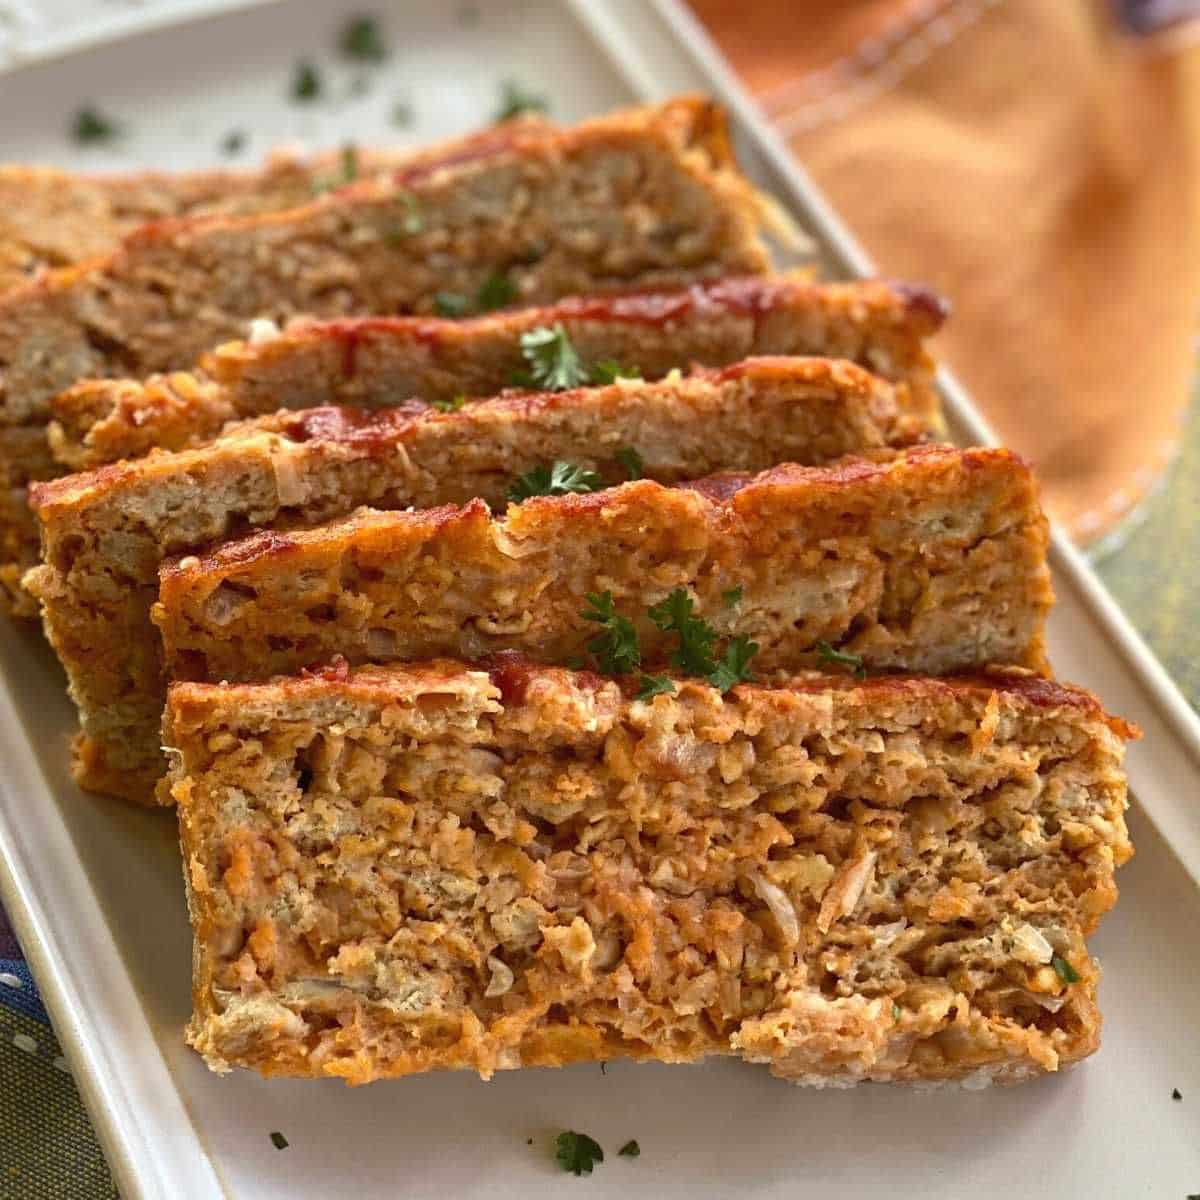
(496, 291)
(557, 479)
(554, 363)
(306, 82)
(1064, 970)
(577, 1153)
(516, 99)
(91, 125)
(632, 461)
(828, 656)
(676, 614)
(608, 370)
(361, 39)
(615, 648)
(448, 403)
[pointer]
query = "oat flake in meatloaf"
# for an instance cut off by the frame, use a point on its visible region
(399, 869)
(106, 533)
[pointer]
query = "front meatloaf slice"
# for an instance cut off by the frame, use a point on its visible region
(104, 534)
(53, 218)
(375, 362)
(432, 866)
(647, 197)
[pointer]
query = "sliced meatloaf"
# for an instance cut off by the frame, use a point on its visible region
(104, 534)
(403, 869)
(376, 362)
(647, 196)
(932, 560)
(53, 218)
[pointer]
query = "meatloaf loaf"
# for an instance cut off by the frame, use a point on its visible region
(104, 534)
(52, 218)
(376, 362)
(412, 868)
(648, 196)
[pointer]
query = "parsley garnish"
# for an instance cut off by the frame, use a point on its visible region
(608, 370)
(361, 39)
(495, 291)
(450, 304)
(630, 1150)
(233, 142)
(558, 479)
(615, 649)
(451, 404)
(577, 1153)
(306, 83)
(654, 685)
(734, 666)
(411, 222)
(732, 596)
(553, 361)
(631, 460)
(1064, 970)
(675, 615)
(897, 1012)
(827, 655)
(279, 1141)
(402, 114)
(515, 100)
(349, 162)
(91, 125)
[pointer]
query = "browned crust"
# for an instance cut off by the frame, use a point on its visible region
(513, 674)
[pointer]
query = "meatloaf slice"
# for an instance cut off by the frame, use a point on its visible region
(106, 533)
(375, 362)
(646, 197)
(410, 868)
(53, 218)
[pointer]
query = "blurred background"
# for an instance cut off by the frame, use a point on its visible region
(1037, 161)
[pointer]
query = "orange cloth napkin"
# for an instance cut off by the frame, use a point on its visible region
(1037, 161)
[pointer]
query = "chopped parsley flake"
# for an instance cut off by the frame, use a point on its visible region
(828, 656)
(450, 304)
(1064, 970)
(402, 114)
(278, 1140)
(234, 142)
(91, 125)
(608, 370)
(732, 596)
(411, 222)
(306, 82)
(630, 1150)
(558, 479)
(632, 461)
(553, 361)
(452, 404)
(897, 1012)
(349, 162)
(515, 100)
(615, 649)
(496, 291)
(654, 685)
(361, 39)
(577, 1153)
(734, 666)
(676, 615)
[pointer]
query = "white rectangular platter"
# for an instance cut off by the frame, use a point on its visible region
(94, 887)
